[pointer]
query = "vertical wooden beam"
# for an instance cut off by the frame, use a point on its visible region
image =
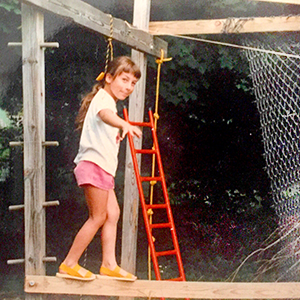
(34, 135)
(141, 18)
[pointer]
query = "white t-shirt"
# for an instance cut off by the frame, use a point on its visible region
(99, 142)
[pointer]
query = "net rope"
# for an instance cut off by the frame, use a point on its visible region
(276, 84)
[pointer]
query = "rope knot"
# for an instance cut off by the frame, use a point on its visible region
(156, 116)
(162, 60)
(150, 212)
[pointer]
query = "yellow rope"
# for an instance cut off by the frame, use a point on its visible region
(109, 49)
(159, 61)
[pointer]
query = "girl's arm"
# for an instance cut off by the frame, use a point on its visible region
(112, 119)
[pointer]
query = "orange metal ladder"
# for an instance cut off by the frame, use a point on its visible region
(169, 224)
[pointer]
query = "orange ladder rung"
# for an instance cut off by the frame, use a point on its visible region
(156, 206)
(145, 151)
(147, 178)
(166, 253)
(160, 225)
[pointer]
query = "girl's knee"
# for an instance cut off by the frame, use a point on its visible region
(113, 209)
(116, 213)
(113, 214)
(98, 220)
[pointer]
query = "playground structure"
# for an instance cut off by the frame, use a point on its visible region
(138, 38)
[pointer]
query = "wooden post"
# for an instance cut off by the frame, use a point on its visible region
(141, 17)
(34, 135)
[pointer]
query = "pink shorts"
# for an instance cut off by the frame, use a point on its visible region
(87, 172)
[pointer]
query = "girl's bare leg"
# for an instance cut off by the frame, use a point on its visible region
(109, 232)
(97, 200)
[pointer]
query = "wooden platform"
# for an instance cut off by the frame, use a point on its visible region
(167, 289)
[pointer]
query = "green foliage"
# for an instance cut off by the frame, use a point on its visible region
(233, 6)
(244, 85)
(226, 59)
(192, 61)
(196, 193)
(11, 6)
(204, 9)
(7, 135)
(11, 100)
(8, 9)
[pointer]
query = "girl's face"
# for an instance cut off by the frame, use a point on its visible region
(121, 86)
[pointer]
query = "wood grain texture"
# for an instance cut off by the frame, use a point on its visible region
(34, 136)
(230, 25)
(94, 19)
(168, 289)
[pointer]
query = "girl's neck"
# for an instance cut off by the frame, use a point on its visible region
(108, 90)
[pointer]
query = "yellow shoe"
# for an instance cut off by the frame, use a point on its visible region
(117, 273)
(77, 273)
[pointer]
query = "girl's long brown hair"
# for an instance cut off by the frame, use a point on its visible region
(115, 68)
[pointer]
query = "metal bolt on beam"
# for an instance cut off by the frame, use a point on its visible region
(31, 283)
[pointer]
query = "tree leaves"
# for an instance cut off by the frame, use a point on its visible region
(11, 6)
(8, 8)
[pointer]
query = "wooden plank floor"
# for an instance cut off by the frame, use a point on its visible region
(167, 289)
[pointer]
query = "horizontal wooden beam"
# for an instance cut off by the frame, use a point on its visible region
(94, 19)
(167, 289)
(231, 25)
(282, 1)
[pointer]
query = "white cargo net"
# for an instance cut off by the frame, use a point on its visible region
(276, 82)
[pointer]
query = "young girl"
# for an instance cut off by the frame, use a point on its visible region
(96, 164)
